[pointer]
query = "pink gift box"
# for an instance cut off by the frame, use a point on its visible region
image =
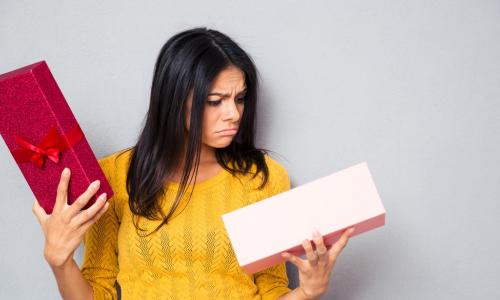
(43, 136)
(260, 232)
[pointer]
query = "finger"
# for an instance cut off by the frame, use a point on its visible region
(311, 255)
(320, 247)
(87, 214)
(340, 244)
(39, 212)
(295, 260)
(85, 226)
(83, 199)
(62, 190)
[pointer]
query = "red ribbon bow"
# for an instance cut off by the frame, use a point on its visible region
(51, 146)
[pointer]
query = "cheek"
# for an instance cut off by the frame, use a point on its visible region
(209, 120)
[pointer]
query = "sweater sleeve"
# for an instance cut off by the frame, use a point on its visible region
(100, 259)
(273, 282)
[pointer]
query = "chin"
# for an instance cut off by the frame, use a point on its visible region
(221, 144)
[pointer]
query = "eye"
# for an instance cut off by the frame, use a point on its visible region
(213, 102)
(240, 100)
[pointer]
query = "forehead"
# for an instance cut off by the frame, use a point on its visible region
(229, 79)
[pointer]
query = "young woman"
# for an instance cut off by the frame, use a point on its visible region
(161, 235)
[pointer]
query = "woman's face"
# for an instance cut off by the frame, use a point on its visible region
(223, 108)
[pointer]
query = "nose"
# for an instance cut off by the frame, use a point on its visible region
(231, 112)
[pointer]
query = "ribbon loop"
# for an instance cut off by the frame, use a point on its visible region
(51, 147)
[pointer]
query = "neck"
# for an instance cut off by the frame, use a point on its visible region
(207, 156)
(208, 164)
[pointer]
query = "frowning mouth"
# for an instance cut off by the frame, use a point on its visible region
(231, 131)
(228, 130)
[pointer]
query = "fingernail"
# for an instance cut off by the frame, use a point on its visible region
(96, 183)
(65, 171)
(351, 230)
(103, 196)
(316, 234)
(285, 255)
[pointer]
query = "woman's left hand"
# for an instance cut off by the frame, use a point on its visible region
(315, 271)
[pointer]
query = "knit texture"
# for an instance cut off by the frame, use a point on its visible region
(189, 258)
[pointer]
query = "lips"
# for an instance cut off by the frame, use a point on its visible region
(231, 131)
(228, 130)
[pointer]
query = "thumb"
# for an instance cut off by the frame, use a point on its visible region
(39, 212)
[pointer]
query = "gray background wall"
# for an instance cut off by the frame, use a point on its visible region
(411, 87)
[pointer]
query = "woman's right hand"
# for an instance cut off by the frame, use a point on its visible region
(65, 227)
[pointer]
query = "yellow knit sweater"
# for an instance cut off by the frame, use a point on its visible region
(191, 257)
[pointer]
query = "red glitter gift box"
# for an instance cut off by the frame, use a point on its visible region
(44, 137)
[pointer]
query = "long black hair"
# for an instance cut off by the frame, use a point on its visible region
(187, 66)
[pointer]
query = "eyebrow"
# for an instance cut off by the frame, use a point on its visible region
(225, 95)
